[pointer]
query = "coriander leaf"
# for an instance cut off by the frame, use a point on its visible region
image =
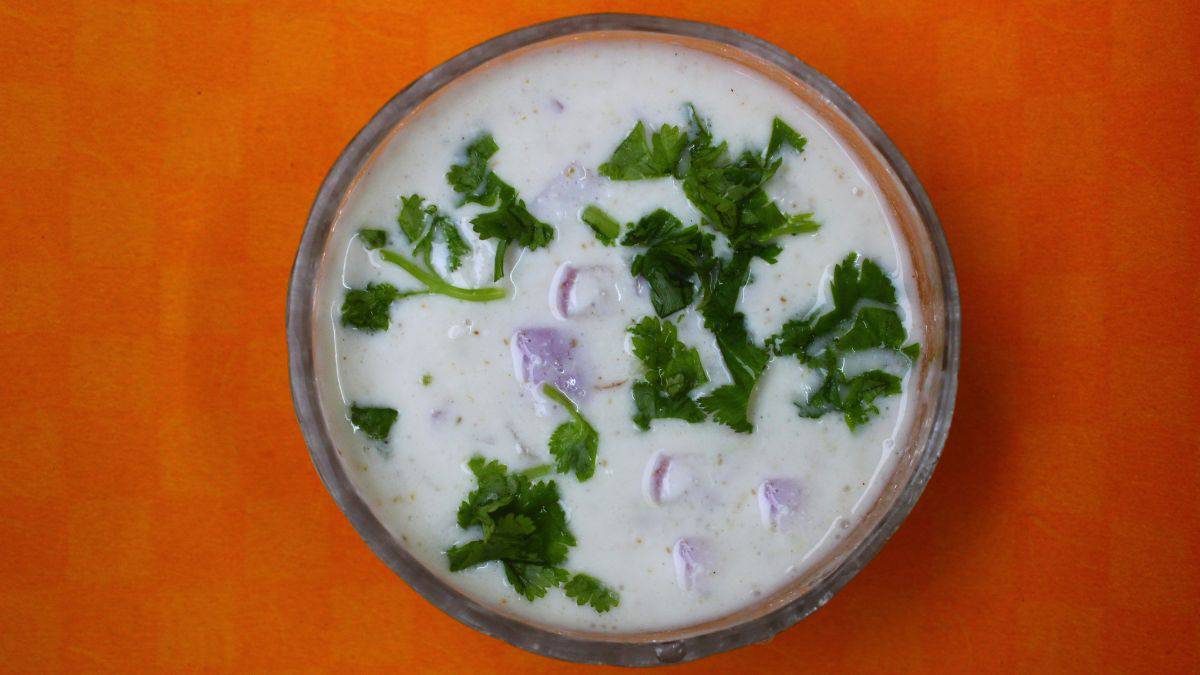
(635, 159)
(853, 281)
(456, 247)
(373, 238)
(820, 339)
(672, 371)
(474, 180)
(874, 327)
(650, 404)
(521, 521)
(573, 444)
(495, 490)
(674, 256)
(854, 397)
(369, 308)
(511, 222)
(606, 227)
(588, 590)
(861, 390)
(873, 284)
(470, 554)
(763, 222)
(719, 189)
(701, 148)
(523, 527)
(423, 225)
(532, 581)
(745, 360)
(782, 134)
(411, 218)
(374, 422)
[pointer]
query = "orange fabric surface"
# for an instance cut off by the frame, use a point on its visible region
(158, 509)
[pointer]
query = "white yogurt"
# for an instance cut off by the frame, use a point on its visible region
(738, 515)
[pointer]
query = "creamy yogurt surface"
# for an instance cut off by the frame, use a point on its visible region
(686, 521)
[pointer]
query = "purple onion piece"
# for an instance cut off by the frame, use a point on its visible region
(575, 291)
(778, 500)
(654, 481)
(547, 355)
(560, 290)
(688, 556)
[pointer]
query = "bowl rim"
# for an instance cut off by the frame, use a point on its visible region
(305, 396)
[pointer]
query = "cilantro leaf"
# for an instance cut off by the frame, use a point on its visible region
(573, 444)
(369, 308)
(730, 195)
(588, 590)
(411, 218)
(874, 327)
(782, 134)
(423, 225)
(474, 180)
(854, 397)
(635, 159)
(820, 339)
(672, 371)
(511, 221)
(373, 238)
(745, 360)
(853, 281)
(532, 581)
(674, 256)
(521, 521)
(524, 528)
(763, 222)
(376, 423)
(606, 227)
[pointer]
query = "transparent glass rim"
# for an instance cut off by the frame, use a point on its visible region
(616, 650)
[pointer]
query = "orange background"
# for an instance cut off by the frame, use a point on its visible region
(157, 505)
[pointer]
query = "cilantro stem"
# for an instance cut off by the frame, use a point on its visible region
(436, 284)
(562, 399)
(535, 472)
(498, 266)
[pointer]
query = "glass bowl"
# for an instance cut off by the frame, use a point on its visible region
(934, 375)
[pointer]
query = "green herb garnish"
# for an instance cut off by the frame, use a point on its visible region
(674, 259)
(744, 359)
(511, 222)
(474, 180)
(673, 370)
(606, 227)
(729, 194)
(376, 423)
(573, 444)
(373, 238)
(864, 316)
(585, 589)
(523, 527)
(636, 159)
(422, 225)
(369, 308)
(852, 396)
